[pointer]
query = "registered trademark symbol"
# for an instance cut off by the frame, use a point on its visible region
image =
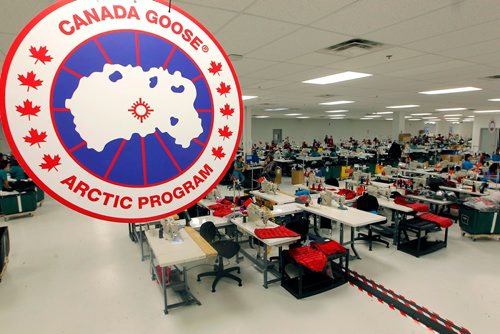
(204, 48)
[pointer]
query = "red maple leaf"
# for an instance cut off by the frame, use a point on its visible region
(215, 68)
(223, 89)
(35, 138)
(29, 80)
(50, 162)
(227, 110)
(28, 109)
(40, 54)
(218, 152)
(225, 133)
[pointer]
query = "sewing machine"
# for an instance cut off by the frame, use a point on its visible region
(170, 229)
(315, 182)
(327, 198)
(214, 194)
(361, 177)
(268, 187)
(257, 214)
(379, 191)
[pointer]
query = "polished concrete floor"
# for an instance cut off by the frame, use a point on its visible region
(72, 274)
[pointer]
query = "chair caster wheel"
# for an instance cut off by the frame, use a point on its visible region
(239, 271)
(240, 284)
(213, 291)
(198, 279)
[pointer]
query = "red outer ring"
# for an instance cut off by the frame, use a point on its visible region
(38, 181)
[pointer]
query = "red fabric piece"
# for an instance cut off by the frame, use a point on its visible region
(400, 200)
(160, 276)
(310, 258)
(418, 207)
(328, 248)
(248, 202)
(441, 221)
(349, 194)
(223, 211)
(275, 232)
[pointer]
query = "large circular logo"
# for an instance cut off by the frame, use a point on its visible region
(126, 111)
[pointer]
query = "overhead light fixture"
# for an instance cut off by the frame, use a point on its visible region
(335, 103)
(455, 123)
(248, 97)
(293, 114)
(262, 116)
(429, 117)
(339, 77)
(468, 120)
(403, 106)
(486, 111)
(451, 120)
(471, 116)
(303, 117)
(275, 109)
(494, 100)
(453, 115)
(451, 109)
(336, 111)
(450, 90)
(422, 114)
(365, 118)
(414, 119)
(373, 116)
(389, 119)
(384, 113)
(430, 123)
(408, 117)
(339, 115)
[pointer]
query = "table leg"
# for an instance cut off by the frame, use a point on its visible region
(141, 240)
(164, 288)
(352, 244)
(266, 264)
(316, 231)
(341, 233)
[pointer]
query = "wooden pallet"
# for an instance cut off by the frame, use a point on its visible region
(474, 237)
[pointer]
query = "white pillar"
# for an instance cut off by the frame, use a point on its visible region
(247, 131)
(398, 125)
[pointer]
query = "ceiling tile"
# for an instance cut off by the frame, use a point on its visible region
(212, 18)
(250, 65)
(234, 5)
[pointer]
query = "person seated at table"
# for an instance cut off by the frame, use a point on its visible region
(16, 171)
(467, 163)
(314, 152)
(239, 168)
(4, 182)
(496, 155)
(289, 153)
(491, 174)
(269, 170)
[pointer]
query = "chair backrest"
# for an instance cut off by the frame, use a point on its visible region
(227, 248)
(300, 226)
(208, 231)
(367, 202)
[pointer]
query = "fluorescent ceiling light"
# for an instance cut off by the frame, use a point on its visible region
(471, 116)
(429, 117)
(451, 109)
(452, 120)
(384, 113)
(336, 111)
(335, 102)
(365, 118)
(404, 106)
(276, 109)
(293, 114)
(339, 115)
(262, 116)
(422, 114)
(468, 120)
(454, 115)
(373, 116)
(450, 90)
(339, 77)
(389, 119)
(248, 97)
(303, 117)
(407, 117)
(455, 123)
(430, 123)
(414, 119)
(494, 100)
(485, 111)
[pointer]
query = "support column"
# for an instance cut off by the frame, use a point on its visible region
(247, 131)
(398, 125)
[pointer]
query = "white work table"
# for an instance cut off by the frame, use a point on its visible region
(189, 247)
(467, 191)
(219, 222)
(400, 212)
(350, 217)
(278, 198)
(263, 263)
(286, 209)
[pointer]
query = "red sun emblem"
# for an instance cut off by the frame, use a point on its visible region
(140, 110)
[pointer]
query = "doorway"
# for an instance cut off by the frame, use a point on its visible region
(277, 136)
(488, 141)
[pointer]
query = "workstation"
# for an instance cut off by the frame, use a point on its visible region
(361, 105)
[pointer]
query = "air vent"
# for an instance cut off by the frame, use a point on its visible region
(493, 77)
(352, 48)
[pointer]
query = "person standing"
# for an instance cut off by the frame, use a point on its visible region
(239, 168)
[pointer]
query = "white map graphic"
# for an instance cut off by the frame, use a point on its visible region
(123, 100)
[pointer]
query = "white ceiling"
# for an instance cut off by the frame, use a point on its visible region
(432, 44)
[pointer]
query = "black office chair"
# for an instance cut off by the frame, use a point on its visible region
(225, 249)
(369, 203)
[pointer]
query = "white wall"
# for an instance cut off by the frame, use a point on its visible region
(482, 122)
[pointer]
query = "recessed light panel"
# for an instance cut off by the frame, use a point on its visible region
(451, 109)
(276, 109)
(454, 115)
(494, 100)
(450, 90)
(303, 117)
(339, 77)
(248, 97)
(336, 111)
(293, 114)
(332, 103)
(262, 116)
(404, 106)
(485, 111)
(422, 114)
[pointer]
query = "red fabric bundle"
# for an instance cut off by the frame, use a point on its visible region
(400, 200)
(223, 211)
(441, 221)
(328, 248)
(349, 194)
(275, 232)
(418, 207)
(310, 258)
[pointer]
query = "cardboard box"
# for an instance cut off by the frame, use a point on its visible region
(297, 176)
(277, 178)
(445, 157)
